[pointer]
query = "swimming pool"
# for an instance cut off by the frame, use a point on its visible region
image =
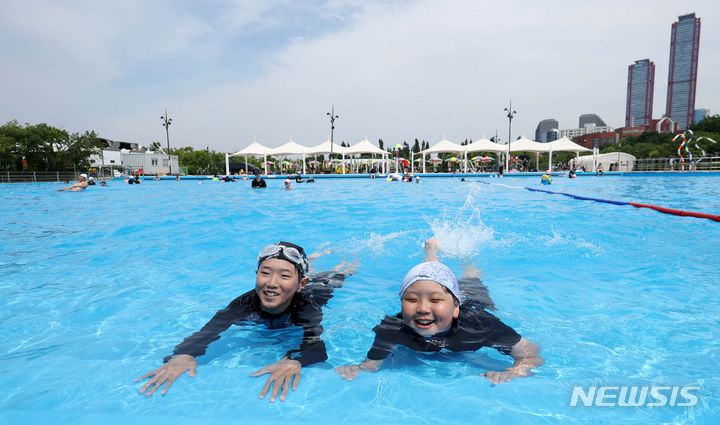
(96, 287)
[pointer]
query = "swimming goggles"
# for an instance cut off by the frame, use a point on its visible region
(285, 252)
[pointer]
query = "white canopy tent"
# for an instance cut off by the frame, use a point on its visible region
(566, 145)
(443, 146)
(526, 145)
(484, 145)
(291, 148)
(324, 148)
(255, 149)
(364, 146)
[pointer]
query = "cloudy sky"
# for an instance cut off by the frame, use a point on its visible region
(231, 70)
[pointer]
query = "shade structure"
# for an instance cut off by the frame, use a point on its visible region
(485, 145)
(291, 148)
(527, 145)
(566, 145)
(443, 146)
(254, 149)
(364, 146)
(324, 147)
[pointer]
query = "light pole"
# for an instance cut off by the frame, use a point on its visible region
(333, 117)
(166, 123)
(510, 114)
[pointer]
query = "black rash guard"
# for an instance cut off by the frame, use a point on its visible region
(258, 183)
(305, 311)
(473, 329)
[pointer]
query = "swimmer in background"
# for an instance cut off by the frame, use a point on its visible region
(288, 184)
(436, 315)
(258, 182)
(571, 174)
(286, 294)
(546, 178)
(80, 185)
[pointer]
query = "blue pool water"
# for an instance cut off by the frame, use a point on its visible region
(96, 287)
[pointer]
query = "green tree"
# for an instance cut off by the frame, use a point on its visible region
(380, 144)
(709, 124)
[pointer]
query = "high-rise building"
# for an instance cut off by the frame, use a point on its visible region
(700, 114)
(682, 73)
(547, 130)
(640, 87)
(591, 120)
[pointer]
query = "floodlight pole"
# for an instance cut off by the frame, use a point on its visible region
(333, 117)
(166, 123)
(510, 114)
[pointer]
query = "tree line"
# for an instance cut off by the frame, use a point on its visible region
(40, 147)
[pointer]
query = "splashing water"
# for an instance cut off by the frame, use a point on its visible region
(461, 233)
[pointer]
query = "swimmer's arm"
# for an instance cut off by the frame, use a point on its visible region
(526, 355)
(431, 249)
(351, 372)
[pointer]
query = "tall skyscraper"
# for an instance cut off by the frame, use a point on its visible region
(640, 88)
(682, 73)
(547, 131)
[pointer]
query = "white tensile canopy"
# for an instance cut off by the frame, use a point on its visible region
(291, 148)
(364, 146)
(255, 149)
(325, 147)
(485, 145)
(526, 145)
(443, 146)
(564, 144)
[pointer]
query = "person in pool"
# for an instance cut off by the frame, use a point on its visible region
(435, 315)
(546, 178)
(258, 182)
(81, 185)
(285, 295)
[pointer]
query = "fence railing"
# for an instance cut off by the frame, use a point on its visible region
(36, 176)
(707, 163)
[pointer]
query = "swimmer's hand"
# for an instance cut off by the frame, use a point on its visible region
(498, 377)
(431, 249)
(526, 355)
(168, 373)
(283, 374)
(351, 372)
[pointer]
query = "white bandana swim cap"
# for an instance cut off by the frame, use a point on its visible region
(433, 271)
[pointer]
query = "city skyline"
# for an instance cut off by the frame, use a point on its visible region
(395, 70)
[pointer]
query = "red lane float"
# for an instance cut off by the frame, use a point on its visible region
(677, 212)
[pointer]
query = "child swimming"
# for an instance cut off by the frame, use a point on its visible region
(436, 315)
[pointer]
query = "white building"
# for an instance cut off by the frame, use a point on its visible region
(588, 129)
(130, 157)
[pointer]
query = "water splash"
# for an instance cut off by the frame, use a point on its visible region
(461, 232)
(374, 243)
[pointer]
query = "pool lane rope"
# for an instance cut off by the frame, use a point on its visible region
(608, 201)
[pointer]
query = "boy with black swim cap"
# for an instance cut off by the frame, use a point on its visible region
(435, 315)
(285, 295)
